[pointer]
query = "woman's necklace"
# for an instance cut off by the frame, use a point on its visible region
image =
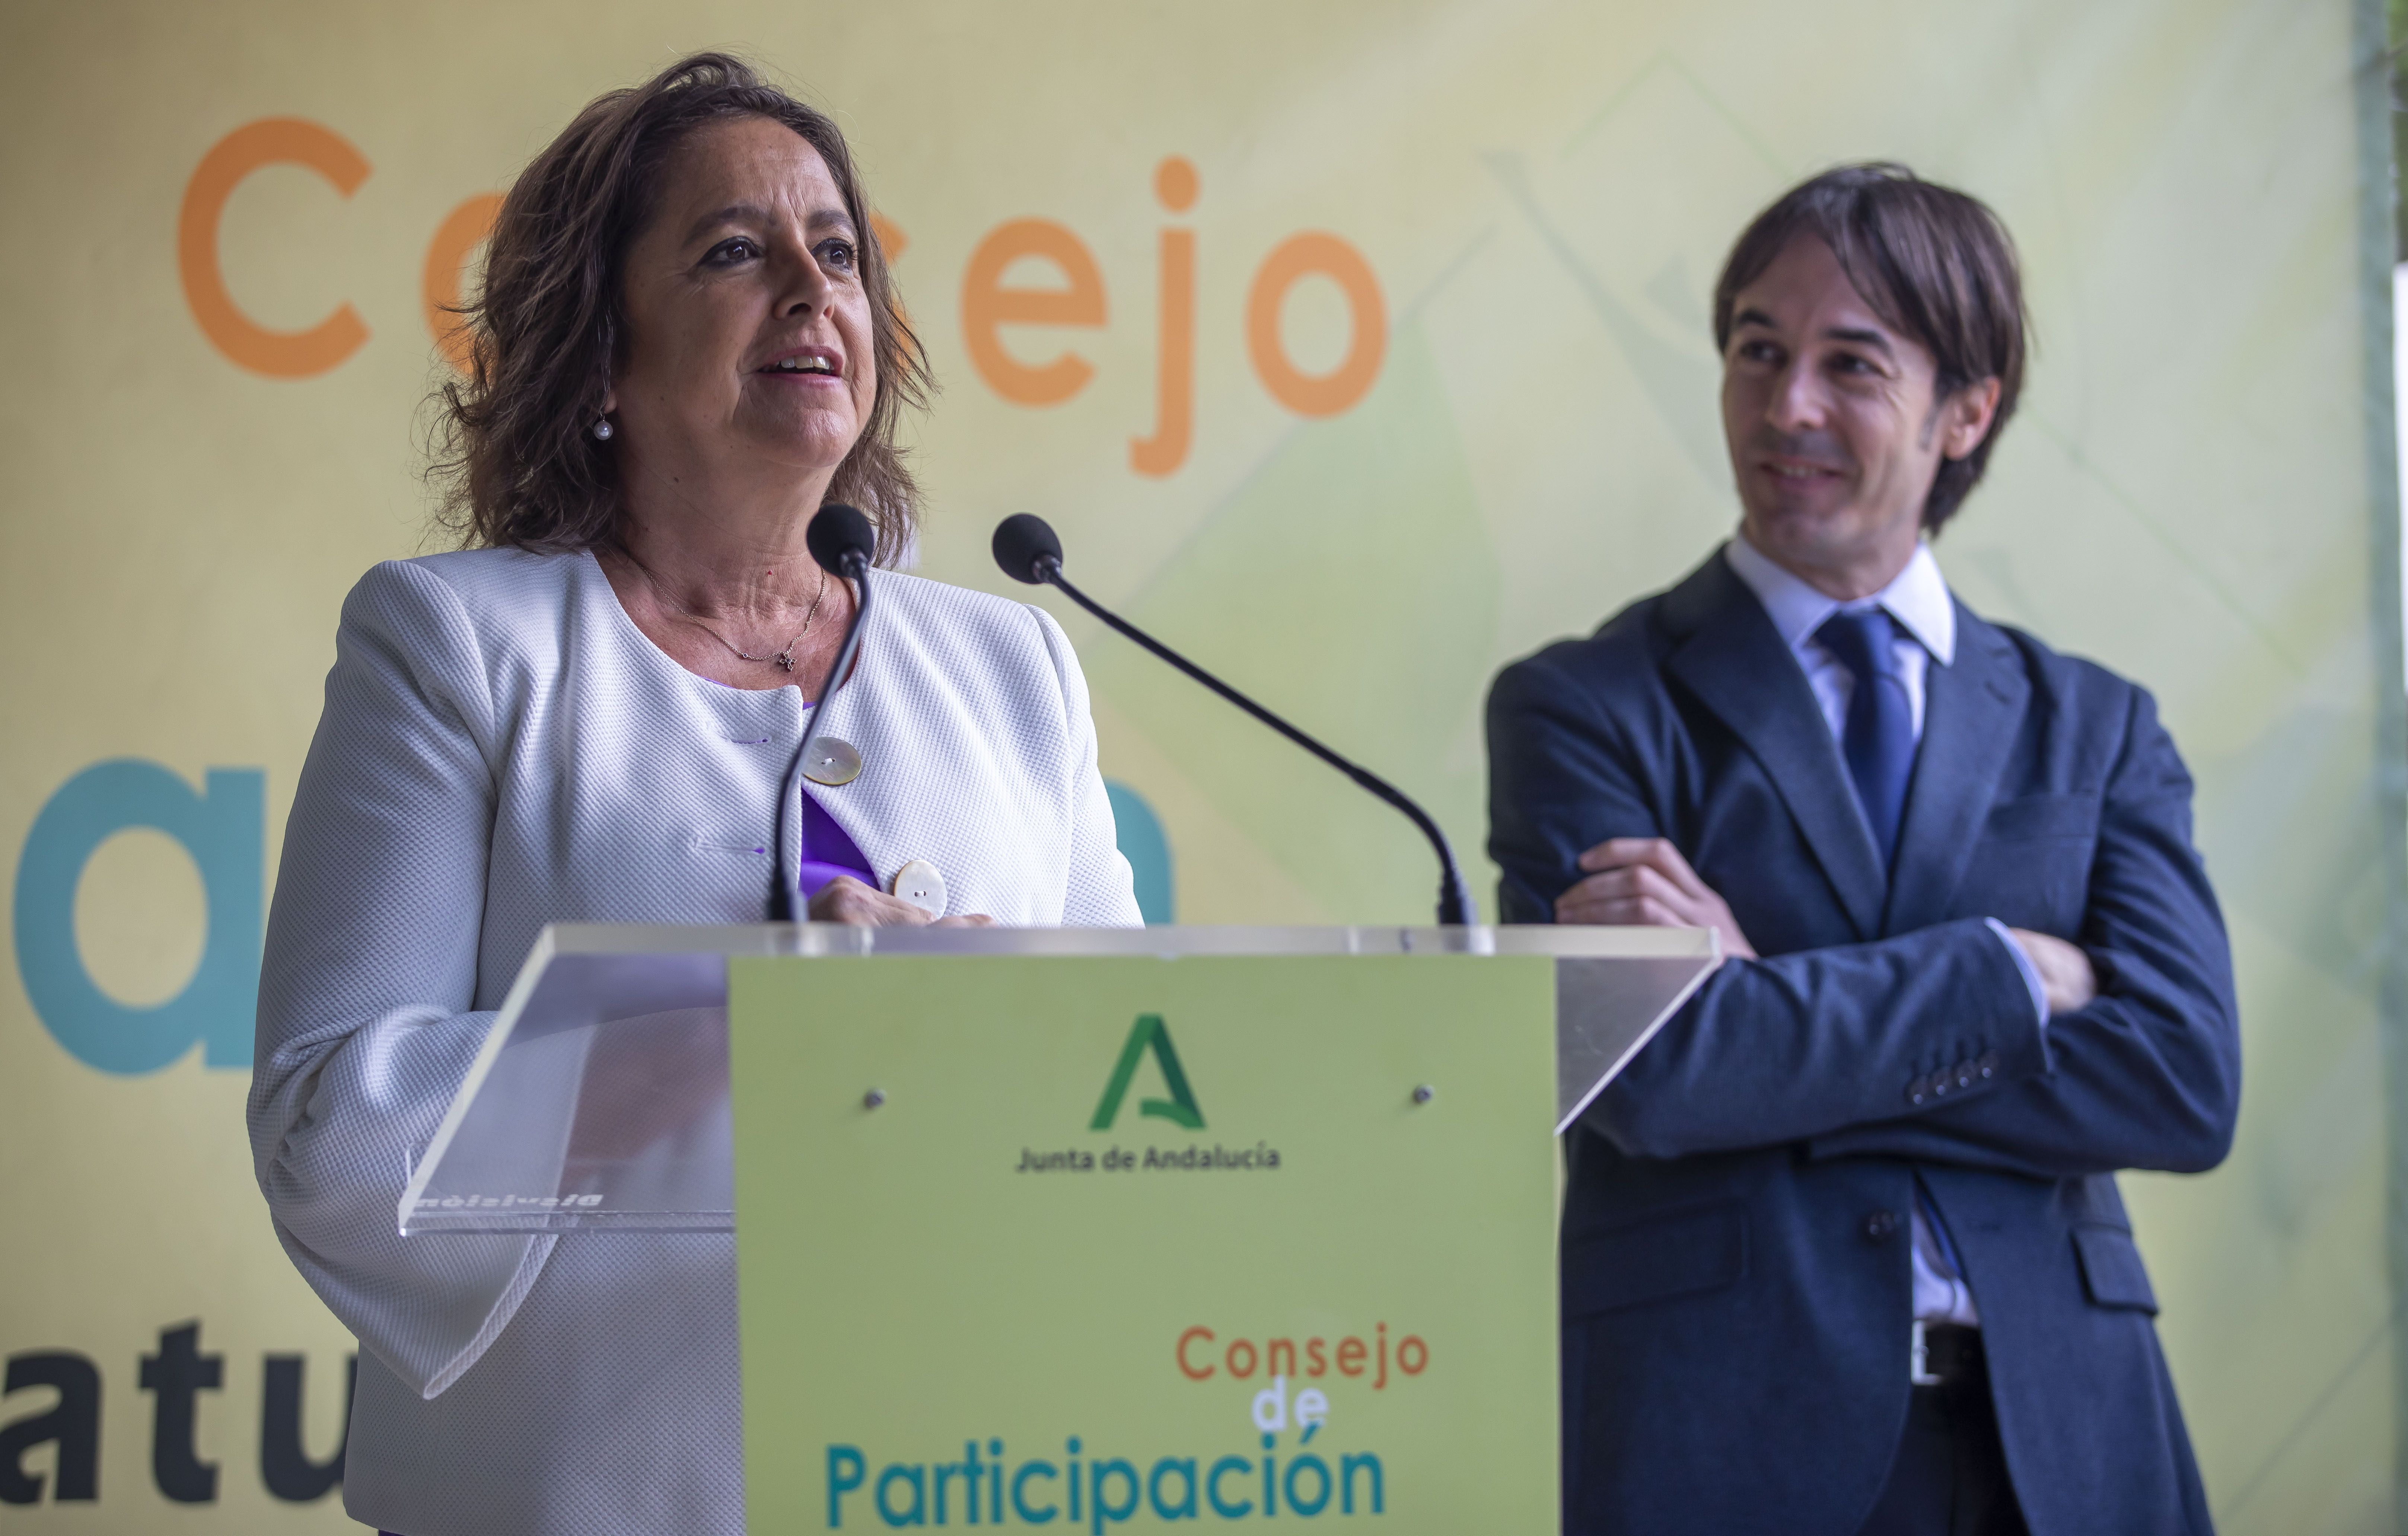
(786, 656)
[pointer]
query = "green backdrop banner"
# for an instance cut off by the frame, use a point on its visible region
(1382, 358)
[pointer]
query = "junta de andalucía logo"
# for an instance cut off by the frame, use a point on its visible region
(1151, 1036)
(1149, 1033)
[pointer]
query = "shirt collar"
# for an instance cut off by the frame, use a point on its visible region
(1917, 598)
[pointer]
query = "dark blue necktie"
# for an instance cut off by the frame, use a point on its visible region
(1879, 740)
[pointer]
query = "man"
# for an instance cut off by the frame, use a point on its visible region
(1842, 1249)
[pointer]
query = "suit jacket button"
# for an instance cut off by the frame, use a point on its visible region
(1880, 1225)
(833, 763)
(920, 883)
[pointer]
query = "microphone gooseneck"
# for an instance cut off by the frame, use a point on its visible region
(842, 542)
(1027, 549)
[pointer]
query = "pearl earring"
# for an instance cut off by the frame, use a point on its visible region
(602, 429)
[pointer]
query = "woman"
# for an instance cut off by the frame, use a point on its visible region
(685, 345)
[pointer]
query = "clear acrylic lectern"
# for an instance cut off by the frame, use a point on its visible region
(600, 1098)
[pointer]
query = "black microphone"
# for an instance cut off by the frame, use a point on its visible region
(1028, 550)
(842, 542)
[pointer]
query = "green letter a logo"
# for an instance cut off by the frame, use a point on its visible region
(1180, 1106)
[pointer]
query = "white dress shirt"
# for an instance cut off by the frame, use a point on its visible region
(1918, 600)
(502, 748)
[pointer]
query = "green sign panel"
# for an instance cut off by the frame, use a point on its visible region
(1102, 1243)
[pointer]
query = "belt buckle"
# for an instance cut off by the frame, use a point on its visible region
(1918, 1359)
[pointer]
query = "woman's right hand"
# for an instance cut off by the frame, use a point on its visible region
(845, 899)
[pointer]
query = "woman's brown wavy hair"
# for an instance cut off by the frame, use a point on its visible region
(515, 457)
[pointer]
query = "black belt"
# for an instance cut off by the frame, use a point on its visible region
(1946, 1355)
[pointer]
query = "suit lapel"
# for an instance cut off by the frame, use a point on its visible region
(1734, 661)
(1971, 711)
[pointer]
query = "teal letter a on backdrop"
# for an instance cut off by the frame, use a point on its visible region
(224, 829)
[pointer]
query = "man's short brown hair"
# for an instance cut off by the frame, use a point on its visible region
(1936, 266)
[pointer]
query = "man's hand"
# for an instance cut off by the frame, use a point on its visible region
(2065, 979)
(1646, 882)
(845, 899)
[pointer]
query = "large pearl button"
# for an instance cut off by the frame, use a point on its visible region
(921, 883)
(832, 762)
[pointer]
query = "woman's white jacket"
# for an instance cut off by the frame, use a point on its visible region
(501, 749)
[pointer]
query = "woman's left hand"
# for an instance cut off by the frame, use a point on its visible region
(845, 899)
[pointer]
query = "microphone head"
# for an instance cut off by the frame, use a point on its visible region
(838, 535)
(1022, 543)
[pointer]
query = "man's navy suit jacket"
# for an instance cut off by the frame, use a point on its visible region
(1735, 1247)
